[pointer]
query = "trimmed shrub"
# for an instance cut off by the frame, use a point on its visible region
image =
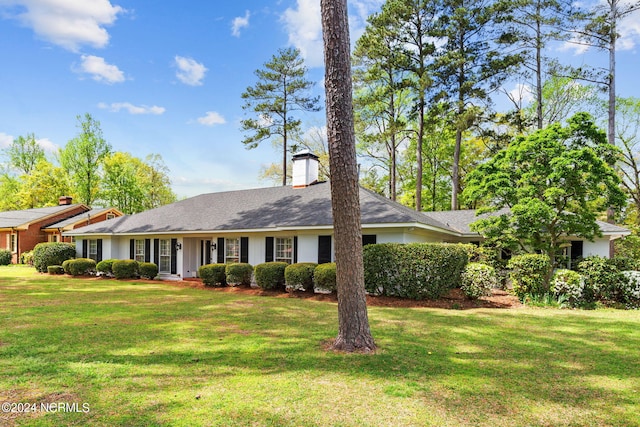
(238, 273)
(269, 275)
(148, 270)
(105, 267)
(55, 253)
(570, 284)
(26, 258)
(631, 289)
(5, 257)
(602, 279)
(415, 270)
(125, 269)
(55, 269)
(81, 266)
(299, 276)
(324, 277)
(529, 274)
(65, 266)
(213, 274)
(623, 263)
(478, 279)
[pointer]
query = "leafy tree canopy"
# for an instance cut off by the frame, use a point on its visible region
(554, 181)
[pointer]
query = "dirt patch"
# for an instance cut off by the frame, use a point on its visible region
(455, 299)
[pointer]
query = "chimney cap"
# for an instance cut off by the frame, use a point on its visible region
(304, 154)
(65, 200)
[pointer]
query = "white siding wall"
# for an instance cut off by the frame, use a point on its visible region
(597, 247)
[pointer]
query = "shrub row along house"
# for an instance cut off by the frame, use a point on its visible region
(21, 231)
(290, 224)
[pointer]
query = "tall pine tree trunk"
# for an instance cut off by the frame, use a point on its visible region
(353, 322)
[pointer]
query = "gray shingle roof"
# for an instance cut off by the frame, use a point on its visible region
(10, 219)
(260, 208)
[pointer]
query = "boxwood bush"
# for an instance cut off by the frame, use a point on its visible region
(55, 269)
(81, 266)
(148, 270)
(529, 274)
(324, 277)
(602, 279)
(5, 257)
(238, 273)
(125, 269)
(105, 267)
(415, 270)
(213, 274)
(65, 266)
(270, 275)
(26, 258)
(55, 253)
(478, 279)
(299, 276)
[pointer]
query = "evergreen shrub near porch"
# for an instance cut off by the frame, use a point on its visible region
(529, 274)
(270, 275)
(125, 269)
(81, 266)
(55, 253)
(148, 270)
(415, 270)
(5, 257)
(239, 273)
(299, 276)
(213, 274)
(324, 277)
(106, 267)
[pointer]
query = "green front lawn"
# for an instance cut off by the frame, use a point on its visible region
(155, 354)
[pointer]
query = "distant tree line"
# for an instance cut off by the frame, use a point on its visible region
(87, 169)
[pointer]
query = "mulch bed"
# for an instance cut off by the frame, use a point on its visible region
(455, 299)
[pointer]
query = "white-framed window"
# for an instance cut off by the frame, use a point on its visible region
(53, 238)
(139, 250)
(165, 256)
(93, 250)
(232, 250)
(12, 242)
(111, 216)
(284, 249)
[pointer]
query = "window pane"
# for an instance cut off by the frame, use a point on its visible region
(232, 250)
(284, 249)
(139, 256)
(165, 256)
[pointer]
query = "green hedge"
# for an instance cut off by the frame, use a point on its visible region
(270, 275)
(238, 273)
(106, 267)
(324, 277)
(65, 266)
(602, 279)
(529, 275)
(81, 266)
(46, 254)
(299, 276)
(213, 274)
(5, 257)
(415, 270)
(125, 269)
(26, 258)
(148, 270)
(55, 269)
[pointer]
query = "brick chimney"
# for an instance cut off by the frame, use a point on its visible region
(305, 169)
(65, 200)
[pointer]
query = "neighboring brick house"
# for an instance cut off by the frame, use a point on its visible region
(21, 231)
(54, 231)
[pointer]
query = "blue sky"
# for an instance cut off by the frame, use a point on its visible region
(166, 77)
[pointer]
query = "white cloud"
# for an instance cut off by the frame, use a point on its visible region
(239, 23)
(5, 140)
(190, 72)
(47, 145)
(132, 109)
(67, 23)
(521, 93)
(99, 70)
(211, 118)
(304, 26)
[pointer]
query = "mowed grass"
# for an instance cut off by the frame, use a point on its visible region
(155, 354)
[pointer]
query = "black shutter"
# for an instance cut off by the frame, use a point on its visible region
(295, 249)
(268, 249)
(174, 256)
(324, 249)
(369, 239)
(201, 252)
(132, 249)
(156, 252)
(99, 250)
(207, 254)
(147, 250)
(220, 248)
(85, 248)
(244, 249)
